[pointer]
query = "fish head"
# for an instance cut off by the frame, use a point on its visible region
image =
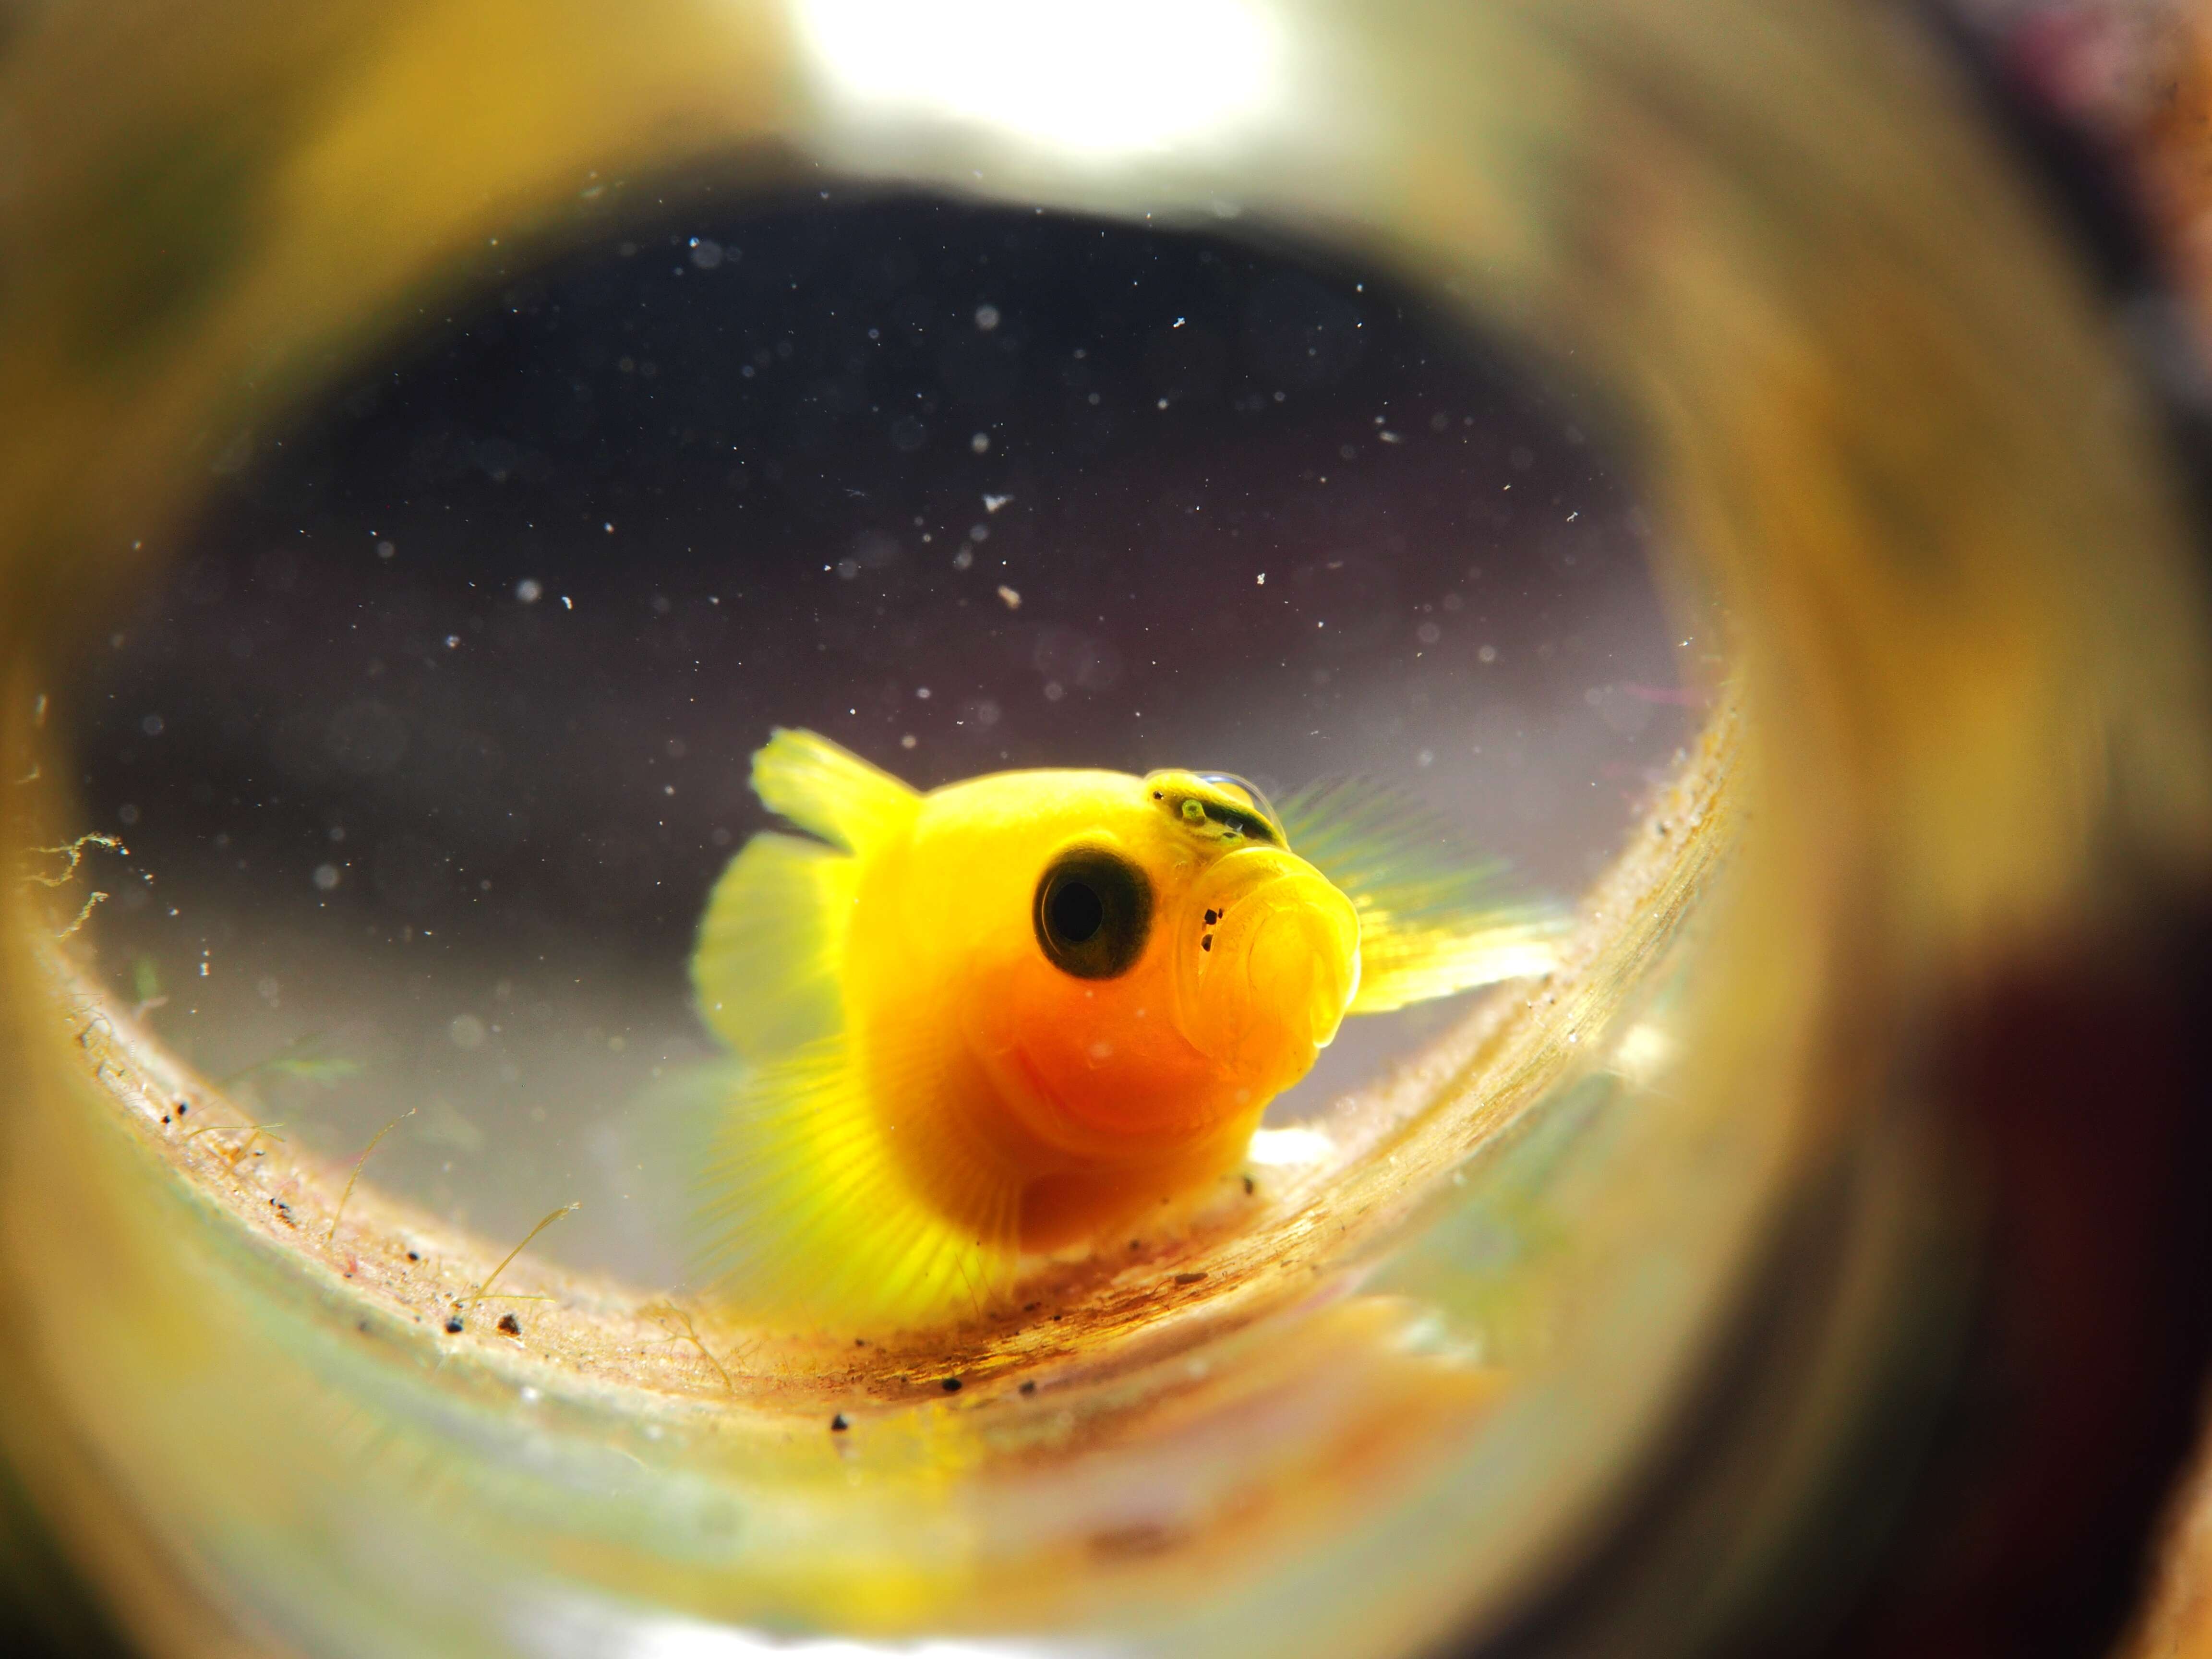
(1181, 966)
(1195, 903)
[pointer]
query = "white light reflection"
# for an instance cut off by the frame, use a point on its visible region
(1294, 1146)
(1643, 1053)
(584, 1627)
(1096, 79)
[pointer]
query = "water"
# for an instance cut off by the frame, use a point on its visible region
(433, 738)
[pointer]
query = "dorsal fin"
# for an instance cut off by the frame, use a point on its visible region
(831, 792)
(1432, 922)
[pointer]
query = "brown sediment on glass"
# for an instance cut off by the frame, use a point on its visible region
(417, 1281)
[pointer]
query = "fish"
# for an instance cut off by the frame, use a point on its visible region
(1003, 1017)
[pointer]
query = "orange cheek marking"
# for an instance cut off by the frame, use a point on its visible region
(1098, 1071)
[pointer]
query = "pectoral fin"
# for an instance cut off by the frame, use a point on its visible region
(1432, 922)
(814, 1217)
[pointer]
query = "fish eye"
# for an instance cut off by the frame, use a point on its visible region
(1245, 812)
(1093, 912)
(1251, 791)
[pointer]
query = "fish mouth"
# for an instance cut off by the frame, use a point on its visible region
(1275, 962)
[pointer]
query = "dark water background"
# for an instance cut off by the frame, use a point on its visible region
(435, 737)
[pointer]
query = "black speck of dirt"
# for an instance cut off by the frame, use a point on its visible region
(1031, 1307)
(1249, 1188)
(183, 1107)
(840, 1423)
(165, 1117)
(1136, 1244)
(950, 1384)
(363, 1327)
(509, 1325)
(1029, 1386)
(414, 1257)
(860, 1342)
(453, 1325)
(1188, 1279)
(1060, 1315)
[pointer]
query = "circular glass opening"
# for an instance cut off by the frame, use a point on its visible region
(430, 738)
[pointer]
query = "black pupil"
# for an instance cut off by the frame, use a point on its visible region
(1093, 912)
(1076, 911)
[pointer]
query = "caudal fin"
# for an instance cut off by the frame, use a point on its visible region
(771, 952)
(768, 967)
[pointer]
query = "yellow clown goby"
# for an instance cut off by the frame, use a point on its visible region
(1007, 1015)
